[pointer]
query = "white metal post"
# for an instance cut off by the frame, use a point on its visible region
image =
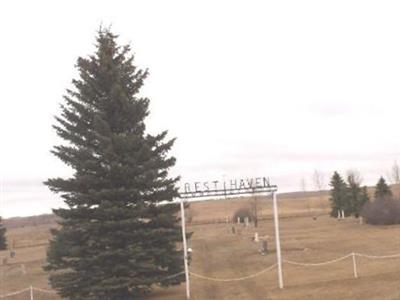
(354, 266)
(277, 241)
(31, 292)
(185, 255)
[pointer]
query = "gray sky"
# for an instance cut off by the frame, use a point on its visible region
(249, 88)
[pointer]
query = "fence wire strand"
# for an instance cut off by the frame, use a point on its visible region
(232, 279)
(317, 264)
(15, 293)
(377, 256)
(44, 290)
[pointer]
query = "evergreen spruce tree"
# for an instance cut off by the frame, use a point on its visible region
(3, 241)
(339, 197)
(115, 241)
(355, 196)
(364, 198)
(382, 190)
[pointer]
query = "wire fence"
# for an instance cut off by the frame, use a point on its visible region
(30, 292)
(317, 264)
(352, 255)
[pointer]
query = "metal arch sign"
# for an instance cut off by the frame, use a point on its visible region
(233, 187)
(216, 188)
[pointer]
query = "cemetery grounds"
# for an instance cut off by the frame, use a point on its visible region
(225, 264)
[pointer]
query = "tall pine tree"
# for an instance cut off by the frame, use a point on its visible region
(3, 240)
(382, 190)
(115, 241)
(339, 197)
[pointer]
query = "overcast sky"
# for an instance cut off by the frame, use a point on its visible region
(249, 88)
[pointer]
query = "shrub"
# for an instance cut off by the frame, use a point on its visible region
(384, 211)
(242, 213)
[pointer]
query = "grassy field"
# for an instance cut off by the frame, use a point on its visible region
(307, 235)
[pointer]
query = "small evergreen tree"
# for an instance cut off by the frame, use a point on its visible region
(382, 190)
(115, 241)
(3, 240)
(364, 196)
(357, 196)
(339, 198)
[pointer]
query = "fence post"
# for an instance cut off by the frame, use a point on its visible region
(31, 292)
(354, 265)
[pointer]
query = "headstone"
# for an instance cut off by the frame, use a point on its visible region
(264, 247)
(189, 254)
(256, 239)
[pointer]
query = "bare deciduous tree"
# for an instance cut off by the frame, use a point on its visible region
(303, 187)
(319, 185)
(303, 184)
(318, 180)
(354, 177)
(394, 175)
(254, 209)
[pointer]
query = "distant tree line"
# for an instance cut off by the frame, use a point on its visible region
(349, 198)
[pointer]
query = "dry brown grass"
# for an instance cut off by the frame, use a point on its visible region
(219, 253)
